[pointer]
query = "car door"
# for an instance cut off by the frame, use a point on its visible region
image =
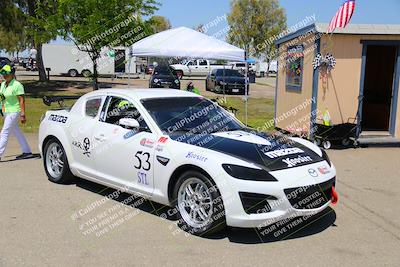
(124, 157)
(203, 68)
(80, 134)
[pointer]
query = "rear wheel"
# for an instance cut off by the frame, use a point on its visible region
(200, 205)
(86, 73)
(56, 163)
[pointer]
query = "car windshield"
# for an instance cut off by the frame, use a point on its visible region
(164, 70)
(228, 73)
(190, 114)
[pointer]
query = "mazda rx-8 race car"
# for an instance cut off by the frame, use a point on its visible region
(185, 151)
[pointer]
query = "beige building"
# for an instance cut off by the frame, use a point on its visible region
(363, 84)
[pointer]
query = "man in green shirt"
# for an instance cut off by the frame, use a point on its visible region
(13, 107)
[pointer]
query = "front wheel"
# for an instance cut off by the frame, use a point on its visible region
(73, 73)
(56, 163)
(200, 205)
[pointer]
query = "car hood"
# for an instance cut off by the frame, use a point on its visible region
(269, 152)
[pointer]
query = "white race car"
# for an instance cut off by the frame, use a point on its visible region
(182, 150)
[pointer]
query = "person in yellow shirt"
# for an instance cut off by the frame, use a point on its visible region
(13, 107)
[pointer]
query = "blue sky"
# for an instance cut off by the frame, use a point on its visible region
(191, 13)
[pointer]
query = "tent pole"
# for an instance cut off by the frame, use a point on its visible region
(245, 86)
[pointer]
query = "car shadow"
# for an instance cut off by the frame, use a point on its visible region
(293, 228)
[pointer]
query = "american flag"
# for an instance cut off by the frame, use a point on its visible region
(343, 16)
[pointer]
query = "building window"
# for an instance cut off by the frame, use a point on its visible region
(294, 67)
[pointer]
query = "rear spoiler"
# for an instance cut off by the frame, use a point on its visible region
(47, 100)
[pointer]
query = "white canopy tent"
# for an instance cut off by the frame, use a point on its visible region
(183, 42)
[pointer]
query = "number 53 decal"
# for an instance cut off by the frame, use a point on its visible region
(142, 160)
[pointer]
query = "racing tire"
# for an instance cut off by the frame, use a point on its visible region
(56, 163)
(199, 204)
(73, 73)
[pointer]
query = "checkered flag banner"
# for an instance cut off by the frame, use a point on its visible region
(327, 60)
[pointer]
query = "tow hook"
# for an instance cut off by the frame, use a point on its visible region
(335, 196)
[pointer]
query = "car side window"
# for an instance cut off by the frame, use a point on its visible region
(120, 108)
(92, 107)
(202, 62)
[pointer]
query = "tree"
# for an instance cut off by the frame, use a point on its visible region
(254, 23)
(95, 24)
(159, 23)
(200, 28)
(27, 20)
(13, 42)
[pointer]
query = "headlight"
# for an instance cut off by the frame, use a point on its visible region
(325, 157)
(223, 83)
(155, 80)
(245, 173)
(176, 81)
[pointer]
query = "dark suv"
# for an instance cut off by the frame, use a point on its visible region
(164, 77)
(226, 80)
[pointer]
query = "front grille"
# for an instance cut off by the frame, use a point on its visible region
(256, 203)
(310, 197)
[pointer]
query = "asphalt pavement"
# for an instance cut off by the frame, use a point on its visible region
(84, 224)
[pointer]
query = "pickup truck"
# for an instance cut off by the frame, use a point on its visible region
(196, 68)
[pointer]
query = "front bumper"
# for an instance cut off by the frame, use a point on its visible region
(279, 207)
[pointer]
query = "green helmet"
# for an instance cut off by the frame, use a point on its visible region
(7, 69)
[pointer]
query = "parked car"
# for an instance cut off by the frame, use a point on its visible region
(226, 80)
(241, 66)
(196, 68)
(182, 150)
(164, 77)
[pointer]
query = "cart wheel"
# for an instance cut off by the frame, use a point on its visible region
(346, 142)
(317, 142)
(326, 144)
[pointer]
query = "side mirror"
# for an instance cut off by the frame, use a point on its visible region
(129, 123)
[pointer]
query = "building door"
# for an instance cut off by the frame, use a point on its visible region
(119, 62)
(378, 87)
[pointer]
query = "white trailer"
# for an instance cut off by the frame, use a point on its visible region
(69, 60)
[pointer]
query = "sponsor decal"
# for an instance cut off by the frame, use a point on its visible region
(162, 160)
(192, 155)
(85, 146)
(147, 142)
(313, 173)
(324, 170)
(142, 178)
(159, 148)
(283, 152)
(58, 118)
(129, 134)
(163, 140)
(293, 162)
